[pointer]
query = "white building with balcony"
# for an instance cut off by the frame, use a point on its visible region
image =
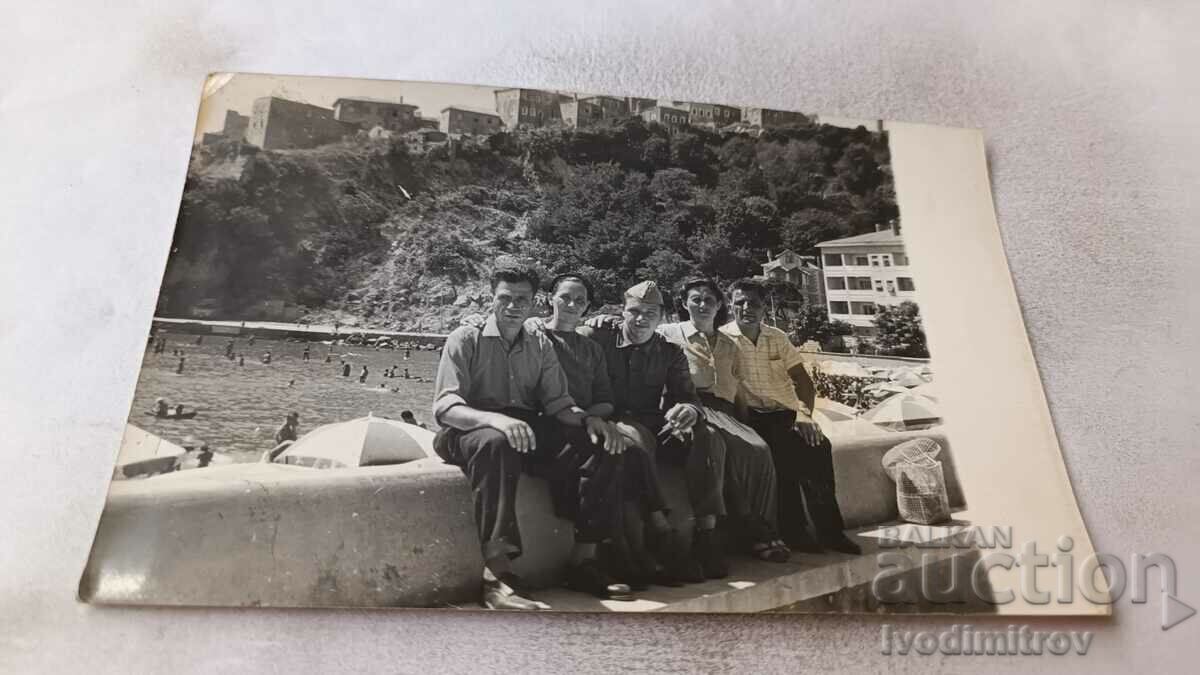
(864, 271)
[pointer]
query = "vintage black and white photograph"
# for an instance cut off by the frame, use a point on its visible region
(442, 346)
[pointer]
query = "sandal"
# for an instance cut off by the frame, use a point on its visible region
(771, 551)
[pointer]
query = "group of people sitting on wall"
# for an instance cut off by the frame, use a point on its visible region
(592, 405)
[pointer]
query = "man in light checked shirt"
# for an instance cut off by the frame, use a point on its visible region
(778, 396)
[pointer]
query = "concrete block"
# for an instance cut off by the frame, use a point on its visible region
(386, 536)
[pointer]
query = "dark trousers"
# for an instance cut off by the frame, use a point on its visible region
(584, 479)
(805, 474)
(703, 460)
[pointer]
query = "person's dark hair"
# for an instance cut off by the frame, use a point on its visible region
(406, 413)
(514, 274)
(748, 285)
(681, 292)
(572, 276)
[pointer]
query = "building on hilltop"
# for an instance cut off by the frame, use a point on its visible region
(369, 113)
(277, 124)
(766, 118)
(710, 114)
(529, 107)
(801, 270)
(457, 120)
(863, 272)
(234, 129)
(875, 126)
(672, 118)
(235, 125)
(635, 106)
(610, 106)
(581, 112)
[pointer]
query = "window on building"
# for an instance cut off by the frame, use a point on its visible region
(874, 261)
(833, 259)
(863, 308)
(879, 285)
(839, 307)
(859, 283)
(891, 287)
(861, 260)
(836, 283)
(901, 259)
(886, 258)
(905, 283)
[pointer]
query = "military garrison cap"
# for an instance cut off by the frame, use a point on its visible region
(647, 291)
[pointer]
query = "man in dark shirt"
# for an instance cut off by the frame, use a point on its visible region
(492, 383)
(642, 367)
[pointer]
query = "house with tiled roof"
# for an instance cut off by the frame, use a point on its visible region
(801, 270)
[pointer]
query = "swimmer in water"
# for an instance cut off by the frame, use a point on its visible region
(362, 377)
(266, 357)
(345, 369)
(406, 375)
(179, 368)
(291, 383)
(241, 359)
(305, 356)
(160, 407)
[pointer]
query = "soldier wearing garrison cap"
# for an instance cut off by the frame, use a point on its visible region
(658, 408)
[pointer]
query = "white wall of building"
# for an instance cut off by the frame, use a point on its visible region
(885, 266)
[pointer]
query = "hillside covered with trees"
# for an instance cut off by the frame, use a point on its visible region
(396, 233)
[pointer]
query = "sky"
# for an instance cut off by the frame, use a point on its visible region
(239, 91)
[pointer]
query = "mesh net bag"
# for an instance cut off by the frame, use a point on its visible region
(920, 485)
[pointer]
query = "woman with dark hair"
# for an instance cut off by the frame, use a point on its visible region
(641, 501)
(750, 485)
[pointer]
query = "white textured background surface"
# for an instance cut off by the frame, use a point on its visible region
(1091, 116)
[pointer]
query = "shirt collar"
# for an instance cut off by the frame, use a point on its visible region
(689, 329)
(623, 342)
(491, 329)
(732, 328)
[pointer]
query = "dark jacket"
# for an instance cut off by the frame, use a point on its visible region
(648, 378)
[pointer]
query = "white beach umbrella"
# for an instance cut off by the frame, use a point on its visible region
(908, 410)
(366, 441)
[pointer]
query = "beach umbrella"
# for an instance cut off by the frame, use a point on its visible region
(928, 390)
(882, 388)
(907, 410)
(838, 420)
(366, 441)
(908, 378)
